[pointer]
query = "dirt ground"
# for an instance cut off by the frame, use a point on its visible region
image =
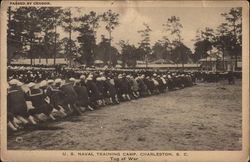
(203, 117)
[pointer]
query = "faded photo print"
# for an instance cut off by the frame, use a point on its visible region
(124, 78)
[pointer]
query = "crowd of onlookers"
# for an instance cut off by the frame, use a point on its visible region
(39, 94)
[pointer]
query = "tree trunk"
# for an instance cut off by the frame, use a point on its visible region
(235, 44)
(236, 60)
(223, 59)
(31, 55)
(70, 45)
(55, 48)
(8, 36)
(109, 50)
(206, 64)
(182, 62)
(46, 47)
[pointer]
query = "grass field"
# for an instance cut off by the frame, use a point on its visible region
(207, 116)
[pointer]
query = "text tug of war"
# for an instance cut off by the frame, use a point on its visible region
(121, 156)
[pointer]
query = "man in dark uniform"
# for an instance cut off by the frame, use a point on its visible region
(230, 77)
(130, 86)
(16, 101)
(170, 82)
(93, 91)
(83, 97)
(143, 89)
(12, 124)
(134, 86)
(55, 95)
(110, 88)
(117, 80)
(101, 89)
(70, 97)
(160, 87)
(124, 88)
(150, 84)
(38, 99)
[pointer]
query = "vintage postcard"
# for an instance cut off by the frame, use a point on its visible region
(124, 80)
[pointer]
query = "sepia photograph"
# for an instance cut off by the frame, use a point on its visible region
(124, 76)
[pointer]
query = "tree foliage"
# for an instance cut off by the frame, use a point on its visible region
(173, 27)
(32, 33)
(129, 53)
(89, 23)
(204, 43)
(229, 37)
(144, 44)
(112, 20)
(31, 28)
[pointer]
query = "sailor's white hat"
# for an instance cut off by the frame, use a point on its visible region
(72, 79)
(58, 80)
(50, 81)
(19, 83)
(43, 83)
(13, 82)
(31, 84)
(82, 76)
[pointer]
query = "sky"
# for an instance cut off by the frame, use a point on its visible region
(132, 18)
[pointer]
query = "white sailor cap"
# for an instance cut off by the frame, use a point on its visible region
(154, 74)
(13, 82)
(77, 81)
(89, 78)
(19, 83)
(72, 79)
(50, 81)
(37, 86)
(58, 80)
(31, 84)
(98, 79)
(82, 76)
(120, 76)
(43, 83)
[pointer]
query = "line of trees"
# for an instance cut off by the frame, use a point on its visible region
(33, 33)
(226, 38)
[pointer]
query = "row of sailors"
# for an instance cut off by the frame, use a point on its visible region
(61, 98)
(32, 75)
(37, 75)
